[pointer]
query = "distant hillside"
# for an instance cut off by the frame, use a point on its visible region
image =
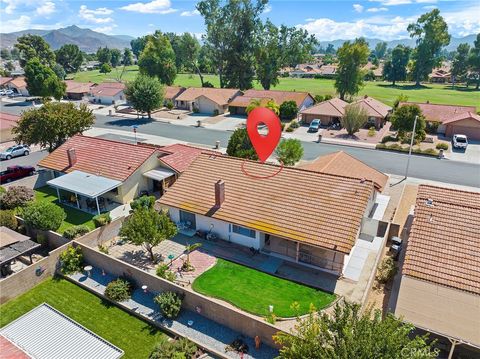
(87, 40)
(454, 42)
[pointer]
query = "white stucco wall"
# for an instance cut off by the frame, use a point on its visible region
(308, 102)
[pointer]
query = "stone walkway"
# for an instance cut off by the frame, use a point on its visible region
(207, 333)
(200, 261)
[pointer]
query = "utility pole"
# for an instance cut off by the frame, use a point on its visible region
(411, 145)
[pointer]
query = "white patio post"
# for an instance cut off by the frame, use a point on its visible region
(76, 198)
(98, 207)
(58, 194)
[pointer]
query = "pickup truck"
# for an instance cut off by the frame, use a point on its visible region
(16, 172)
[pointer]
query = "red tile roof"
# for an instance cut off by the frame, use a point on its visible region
(334, 107)
(342, 164)
(295, 204)
(171, 92)
(7, 120)
(98, 156)
(444, 242)
(107, 88)
(440, 113)
(78, 87)
(18, 82)
(374, 107)
(463, 116)
(219, 96)
(8, 350)
(179, 156)
(5, 80)
(279, 97)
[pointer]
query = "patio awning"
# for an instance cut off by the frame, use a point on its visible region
(159, 174)
(84, 183)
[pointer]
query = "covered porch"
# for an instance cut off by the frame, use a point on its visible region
(85, 191)
(161, 179)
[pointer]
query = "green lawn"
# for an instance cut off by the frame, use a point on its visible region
(382, 91)
(253, 291)
(136, 337)
(74, 216)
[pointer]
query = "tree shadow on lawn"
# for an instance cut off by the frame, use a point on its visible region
(130, 122)
(405, 87)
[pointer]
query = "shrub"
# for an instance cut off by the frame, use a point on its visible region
(386, 271)
(169, 104)
(432, 127)
(289, 129)
(442, 146)
(103, 249)
(164, 272)
(389, 138)
(318, 98)
(288, 110)
(143, 202)
(45, 216)
(101, 219)
(177, 349)
(76, 231)
(2, 190)
(196, 110)
(118, 290)
(327, 97)
(215, 112)
(8, 219)
(170, 304)
(271, 318)
(17, 196)
(430, 151)
(71, 260)
(294, 124)
(371, 131)
(208, 84)
(283, 126)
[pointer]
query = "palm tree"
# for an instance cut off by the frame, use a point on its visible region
(189, 248)
(272, 105)
(253, 105)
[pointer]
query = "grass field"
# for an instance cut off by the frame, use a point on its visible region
(74, 216)
(253, 291)
(435, 93)
(134, 336)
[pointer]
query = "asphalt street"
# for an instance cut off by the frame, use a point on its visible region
(462, 173)
(31, 160)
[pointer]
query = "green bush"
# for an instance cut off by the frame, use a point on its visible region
(386, 270)
(399, 148)
(371, 131)
(430, 151)
(442, 146)
(318, 98)
(76, 231)
(164, 272)
(283, 126)
(294, 124)
(288, 110)
(8, 219)
(169, 104)
(389, 138)
(101, 219)
(17, 196)
(289, 129)
(2, 190)
(432, 127)
(196, 110)
(45, 216)
(118, 290)
(170, 304)
(71, 260)
(143, 202)
(176, 349)
(103, 249)
(215, 112)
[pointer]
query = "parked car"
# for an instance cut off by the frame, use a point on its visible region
(460, 141)
(396, 247)
(16, 172)
(15, 151)
(314, 125)
(6, 92)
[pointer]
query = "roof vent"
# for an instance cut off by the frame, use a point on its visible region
(219, 193)
(429, 202)
(362, 180)
(72, 157)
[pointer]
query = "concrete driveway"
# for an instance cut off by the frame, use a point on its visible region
(471, 154)
(302, 134)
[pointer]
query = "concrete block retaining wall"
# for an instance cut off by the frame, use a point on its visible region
(102, 234)
(230, 317)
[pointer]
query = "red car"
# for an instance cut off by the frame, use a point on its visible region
(16, 172)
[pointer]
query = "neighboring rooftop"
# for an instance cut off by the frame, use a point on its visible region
(334, 107)
(440, 113)
(171, 92)
(342, 164)
(8, 121)
(107, 88)
(179, 156)
(98, 156)
(220, 96)
(305, 206)
(279, 97)
(4, 80)
(78, 87)
(46, 333)
(374, 107)
(463, 116)
(444, 242)
(18, 82)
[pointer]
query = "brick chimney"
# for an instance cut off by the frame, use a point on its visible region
(72, 157)
(219, 193)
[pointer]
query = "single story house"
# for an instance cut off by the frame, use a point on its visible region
(328, 71)
(377, 111)
(452, 119)
(206, 100)
(239, 105)
(18, 85)
(377, 70)
(7, 122)
(171, 93)
(305, 70)
(77, 90)
(4, 81)
(440, 76)
(328, 112)
(108, 93)
(440, 283)
(95, 174)
(342, 164)
(318, 228)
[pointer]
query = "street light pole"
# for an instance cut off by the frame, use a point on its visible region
(411, 145)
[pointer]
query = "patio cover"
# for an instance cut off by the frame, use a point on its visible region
(84, 183)
(8, 237)
(46, 333)
(159, 174)
(16, 250)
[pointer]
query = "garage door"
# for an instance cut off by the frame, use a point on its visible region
(205, 105)
(473, 133)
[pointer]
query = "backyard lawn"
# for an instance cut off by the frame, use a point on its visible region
(136, 337)
(74, 216)
(383, 91)
(253, 291)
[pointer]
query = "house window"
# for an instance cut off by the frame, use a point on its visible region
(243, 231)
(188, 219)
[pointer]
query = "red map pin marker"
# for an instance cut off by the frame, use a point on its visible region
(264, 144)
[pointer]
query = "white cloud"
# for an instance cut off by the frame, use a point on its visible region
(105, 29)
(404, 2)
(357, 7)
(267, 9)
(463, 22)
(96, 16)
(152, 7)
(21, 23)
(11, 6)
(190, 13)
(46, 8)
(377, 9)
(429, 7)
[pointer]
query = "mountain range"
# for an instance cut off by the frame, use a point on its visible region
(87, 40)
(454, 42)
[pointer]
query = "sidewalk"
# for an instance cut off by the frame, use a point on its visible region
(206, 333)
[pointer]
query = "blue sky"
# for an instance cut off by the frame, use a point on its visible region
(328, 20)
